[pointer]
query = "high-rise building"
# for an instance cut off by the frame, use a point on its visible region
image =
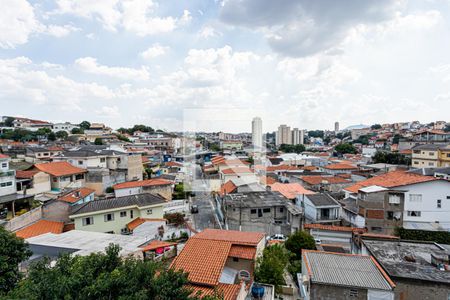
(284, 135)
(257, 140)
(336, 126)
(298, 136)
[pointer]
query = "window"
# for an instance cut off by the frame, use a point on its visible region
(266, 210)
(281, 209)
(235, 259)
(123, 214)
(439, 203)
(79, 176)
(102, 159)
(131, 214)
(4, 165)
(253, 211)
(430, 153)
(394, 199)
(390, 215)
(415, 197)
(6, 184)
(149, 211)
(431, 164)
(416, 162)
(414, 213)
(88, 221)
(109, 217)
(80, 162)
(353, 293)
(448, 197)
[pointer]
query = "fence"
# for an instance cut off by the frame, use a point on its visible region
(25, 219)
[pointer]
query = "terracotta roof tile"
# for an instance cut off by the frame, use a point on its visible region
(3, 155)
(314, 180)
(229, 291)
(233, 236)
(237, 170)
(59, 168)
(173, 164)
(148, 182)
(227, 188)
(153, 245)
(26, 174)
(139, 221)
(282, 168)
(203, 260)
(76, 195)
(245, 252)
(267, 180)
(391, 179)
(340, 166)
(40, 227)
(290, 190)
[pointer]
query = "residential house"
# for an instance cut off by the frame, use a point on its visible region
(417, 268)
(31, 124)
(106, 167)
(40, 154)
(432, 136)
(112, 215)
(290, 190)
(62, 174)
(231, 145)
(156, 186)
(67, 127)
(266, 211)
(331, 238)
(220, 261)
(331, 184)
(33, 182)
(320, 208)
(339, 168)
(10, 201)
(431, 156)
(238, 173)
(343, 276)
(425, 197)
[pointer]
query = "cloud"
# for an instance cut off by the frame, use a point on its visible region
(300, 28)
(109, 112)
(154, 51)
(90, 65)
(17, 23)
(61, 31)
(137, 16)
(208, 32)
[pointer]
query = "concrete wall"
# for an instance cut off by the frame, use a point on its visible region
(10, 185)
(329, 292)
(56, 211)
(415, 289)
(41, 184)
(163, 190)
(24, 220)
(134, 167)
(240, 264)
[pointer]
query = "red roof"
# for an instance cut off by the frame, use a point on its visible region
(148, 182)
(26, 174)
(282, 168)
(3, 156)
(227, 188)
(59, 168)
(40, 227)
(76, 195)
(153, 245)
(391, 179)
(238, 170)
(244, 252)
(314, 180)
(228, 291)
(173, 164)
(290, 190)
(267, 180)
(340, 166)
(233, 236)
(139, 221)
(333, 228)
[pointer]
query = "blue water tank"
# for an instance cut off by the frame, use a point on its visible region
(257, 291)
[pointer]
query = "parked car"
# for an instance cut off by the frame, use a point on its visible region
(194, 209)
(318, 241)
(277, 237)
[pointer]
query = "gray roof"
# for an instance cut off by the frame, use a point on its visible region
(391, 256)
(345, 270)
(105, 204)
(255, 199)
(322, 200)
(431, 171)
(428, 147)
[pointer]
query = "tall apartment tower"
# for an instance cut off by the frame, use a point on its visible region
(284, 135)
(257, 137)
(336, 126)
(298, 136)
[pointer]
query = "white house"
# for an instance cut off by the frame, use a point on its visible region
(320, 208)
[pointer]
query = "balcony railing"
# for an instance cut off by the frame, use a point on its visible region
(7, 174)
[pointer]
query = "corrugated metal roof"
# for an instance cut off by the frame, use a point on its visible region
(345, 270)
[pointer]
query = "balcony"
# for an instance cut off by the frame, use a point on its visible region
(7, 174)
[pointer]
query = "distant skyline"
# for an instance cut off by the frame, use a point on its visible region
(305, 64)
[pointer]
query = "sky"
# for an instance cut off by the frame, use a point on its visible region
(302, 63)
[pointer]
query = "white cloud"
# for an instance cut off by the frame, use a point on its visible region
(17, 23)
(209, 32)
(61, 31)
(154, 51)
(90, 65)
(109, 112)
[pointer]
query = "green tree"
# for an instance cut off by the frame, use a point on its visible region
(292, 148)
(77, 131)
(98, 141)
(375, 126)
(447, 128)
(214, 147)
(271, 265)
(13, 250)
(396, 139)
(62, 135)
(9, 121)
(344, 148)
(51, 136)
(316, 133)
(298, 241)
(102, 276)
(85, 125)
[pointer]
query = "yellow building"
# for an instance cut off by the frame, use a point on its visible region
(431, 156)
